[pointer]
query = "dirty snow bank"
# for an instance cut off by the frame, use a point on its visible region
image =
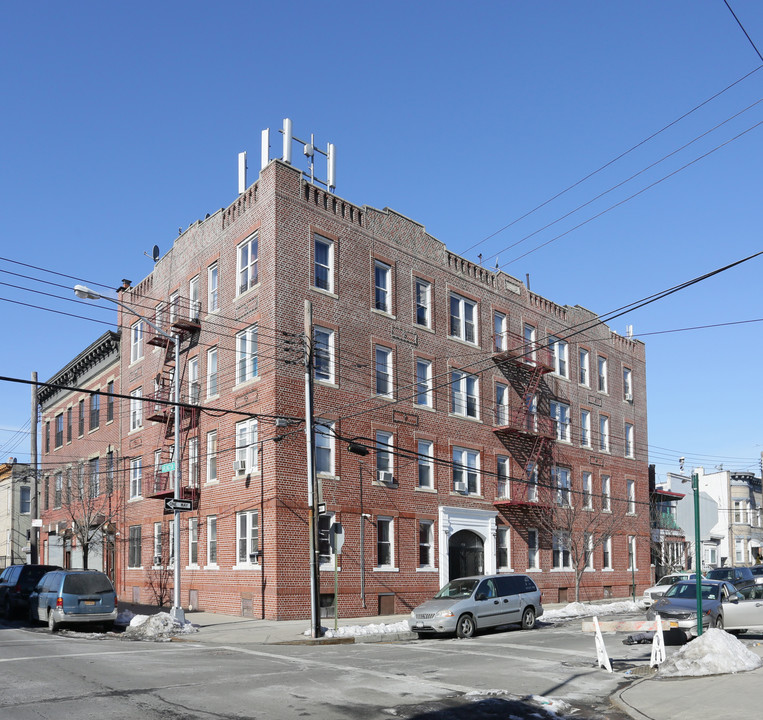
(372, 629)
(714, 652)
(153, 627)
(577, 609)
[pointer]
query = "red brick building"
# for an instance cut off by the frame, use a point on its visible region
(482, 406)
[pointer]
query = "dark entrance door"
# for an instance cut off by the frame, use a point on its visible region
(465, 555)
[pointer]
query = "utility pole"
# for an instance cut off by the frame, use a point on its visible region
(312, 499)
(697, 563)
(34, 535)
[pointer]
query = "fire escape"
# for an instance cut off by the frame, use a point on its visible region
(525, 427)
(178, 319)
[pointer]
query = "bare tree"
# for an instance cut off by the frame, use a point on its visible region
(161, 575)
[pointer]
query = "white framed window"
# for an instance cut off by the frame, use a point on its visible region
(466, 471)
(212, 456)
(561, 548)
(383, 378)
(425, 464)
(602, 374)
(246, 447)
(323, 263)
(588, 549)
(382, 287)
(136, 341)
(560, 413)
(136, 409)
(384, 464)
(159, 315)
(58, 486)
(629, 442)
(502, 548)
(134, 546)
(426, 544)
(25, 498)
(501, 404)
(606, 497)
(193, 462)
(212, 540)
(500, 332)
(463, 319)
(530, 336)
(247, 538)
(606, 560)
(136, 478)
(632, 552)
(738, 511)
(739, 550)
(533, 550)
(559, 356)
(326, 555)
(423, 290)
(423, 382)
(324, 448)
(194, 387)
(193, 541)
(584, 367)
(563, 485)
(213, 282)
(212, 389)
(385, 543)
(246, 354)
(587, 482)
(503, 483)
(532, 482)
(603, 433)
(194, 303)
(157, 559)
(627, 384)
(174, 305)
(464, 399)
(248, 267)
(630, 486)
(323, 355)
(585, 428)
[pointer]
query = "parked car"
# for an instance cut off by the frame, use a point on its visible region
(740, 577)
(657, 591)
(73, 596)
(723, 606)
(469, 604)
(757, 573)
(16, 582)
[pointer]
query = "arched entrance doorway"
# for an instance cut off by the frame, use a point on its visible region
(466, 554)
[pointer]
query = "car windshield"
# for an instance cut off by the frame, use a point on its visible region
(458, 589)
(688, 591)
(87, 584)
(757, 570)
(668, 580)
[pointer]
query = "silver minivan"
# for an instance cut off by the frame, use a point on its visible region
(472, 603)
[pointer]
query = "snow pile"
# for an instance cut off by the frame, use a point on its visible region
(713, 653)
(576, 609)
(373, 629)
(551, 705)
(156, 627)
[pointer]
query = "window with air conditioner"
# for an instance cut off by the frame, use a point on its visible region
(246, 447)
(466, 471)
(384, 465)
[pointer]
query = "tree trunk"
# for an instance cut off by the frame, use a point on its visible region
(85, 553)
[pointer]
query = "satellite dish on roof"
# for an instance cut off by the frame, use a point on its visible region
(155, 253)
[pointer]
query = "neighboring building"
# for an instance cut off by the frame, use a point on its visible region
(669, 546)
(480, 403)
(81, 436)
(16, 490)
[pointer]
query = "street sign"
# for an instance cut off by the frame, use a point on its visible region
(167, 467)
(171, 505)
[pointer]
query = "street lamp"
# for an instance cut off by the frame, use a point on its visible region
(87, 294)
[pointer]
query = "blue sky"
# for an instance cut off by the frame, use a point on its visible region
(122, 122)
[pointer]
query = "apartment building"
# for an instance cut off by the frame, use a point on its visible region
(455, 413)
(16, 489)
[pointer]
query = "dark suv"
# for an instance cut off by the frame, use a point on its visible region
(739, 577)
(16, 583)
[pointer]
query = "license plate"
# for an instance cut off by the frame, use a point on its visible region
(674, 624)
(89, 602)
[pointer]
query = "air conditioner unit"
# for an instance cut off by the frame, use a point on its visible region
(385, 476)
(157, 560)
(460, 486)
(239, 466)
(629, 397)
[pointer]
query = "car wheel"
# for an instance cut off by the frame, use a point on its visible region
(465, 627)
(528, 619)
(719, 622)
(52, 624)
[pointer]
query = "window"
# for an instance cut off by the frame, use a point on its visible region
(466, 471)
(213, 280)
(109, 404)
(560, 413)
(194, 388)
(194, 304)
(530, 340)
(174, 303)
(501, 404)
(246, 447)
(423, 382)
(426, 544)
(58, 484)
(602, 365)
(136, 341)
(588, 549)
(463, 397)
(739, 550)
(193, 541)
(587, 481)
(627, 384)
(193, 462)
(561, 548)
(563, 486)
(69, 419)
(47, 437)
(603, 433)
(323, 356)
(212, 540)
(502, 555)
(59, 432)
(25, 500)
(136, 475)
(532, 482)
(533, 551)
(503, 487)
(212, 456)
(323, 259)
(425, 464)
(632, 552)
(737, 511)
(157, 544)
(95, 412)
(559, 356)
(382, 296)
(94, 477)
(629, 441)
(81, 418)
(384, 467)
(584, 368)
(463, 314)
(631, 490)
(247, 538)
(383, 371)
(324, 448)
(136, 409)
(246, 354)
(605, 496)
(159, 315)
(134, 547)
(500, 332)
(248, 255)
(606, 561)
(423, 303)
(212, 389)
(585, 428)
(109, 471)
(384, 542)
(326, 556)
